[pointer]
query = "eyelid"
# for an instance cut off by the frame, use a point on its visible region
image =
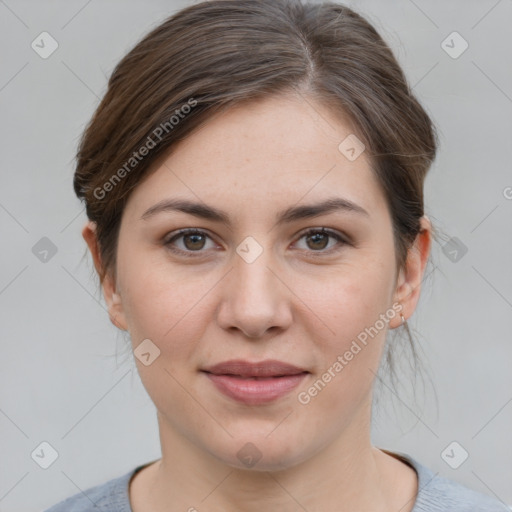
(328, 231)
(340, 237)
(170, 237)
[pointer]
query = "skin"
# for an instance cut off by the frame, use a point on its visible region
(297, 302)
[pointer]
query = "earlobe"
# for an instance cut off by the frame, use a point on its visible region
(410, 278)
(111, 295)
(116, 314)
(403, 290)
(115, 310)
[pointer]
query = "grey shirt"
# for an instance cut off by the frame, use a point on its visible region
(435, 494)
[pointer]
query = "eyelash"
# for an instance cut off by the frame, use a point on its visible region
(192, 231)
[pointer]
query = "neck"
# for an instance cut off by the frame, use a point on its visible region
(348, 474)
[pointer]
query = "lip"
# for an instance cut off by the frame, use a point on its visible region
(266, 368)
(255, 383)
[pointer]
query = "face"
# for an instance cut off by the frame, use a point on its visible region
(262, 282)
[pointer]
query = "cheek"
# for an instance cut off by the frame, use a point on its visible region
(350, 308)
(348, 300)
(164, 306)
(168, 312)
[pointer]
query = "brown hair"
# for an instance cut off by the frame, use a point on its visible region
(220, 53)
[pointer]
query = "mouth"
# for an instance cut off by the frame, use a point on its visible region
(261, 369)
(255, 383)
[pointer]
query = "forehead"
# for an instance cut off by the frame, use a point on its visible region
(265, 154)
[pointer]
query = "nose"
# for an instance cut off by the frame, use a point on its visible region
(254, 298)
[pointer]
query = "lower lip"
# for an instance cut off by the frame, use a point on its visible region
(255, 391)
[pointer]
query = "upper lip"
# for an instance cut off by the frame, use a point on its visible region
(266, 368)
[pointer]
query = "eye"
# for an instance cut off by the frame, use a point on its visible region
(193, 241)
(318, 239)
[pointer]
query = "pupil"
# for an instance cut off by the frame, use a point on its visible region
(320, 235)
(188, 237)
(317, 237)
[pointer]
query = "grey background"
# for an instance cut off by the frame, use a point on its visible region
(65, 376)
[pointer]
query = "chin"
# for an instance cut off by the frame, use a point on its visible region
(260, 453)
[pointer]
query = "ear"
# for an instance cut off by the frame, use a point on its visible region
(408, 287)
(112, 296)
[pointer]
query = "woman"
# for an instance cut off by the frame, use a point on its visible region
(253, 180)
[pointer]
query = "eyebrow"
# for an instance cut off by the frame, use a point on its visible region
(289, 215)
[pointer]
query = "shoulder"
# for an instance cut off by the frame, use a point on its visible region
(439, 494)
(110, 496)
